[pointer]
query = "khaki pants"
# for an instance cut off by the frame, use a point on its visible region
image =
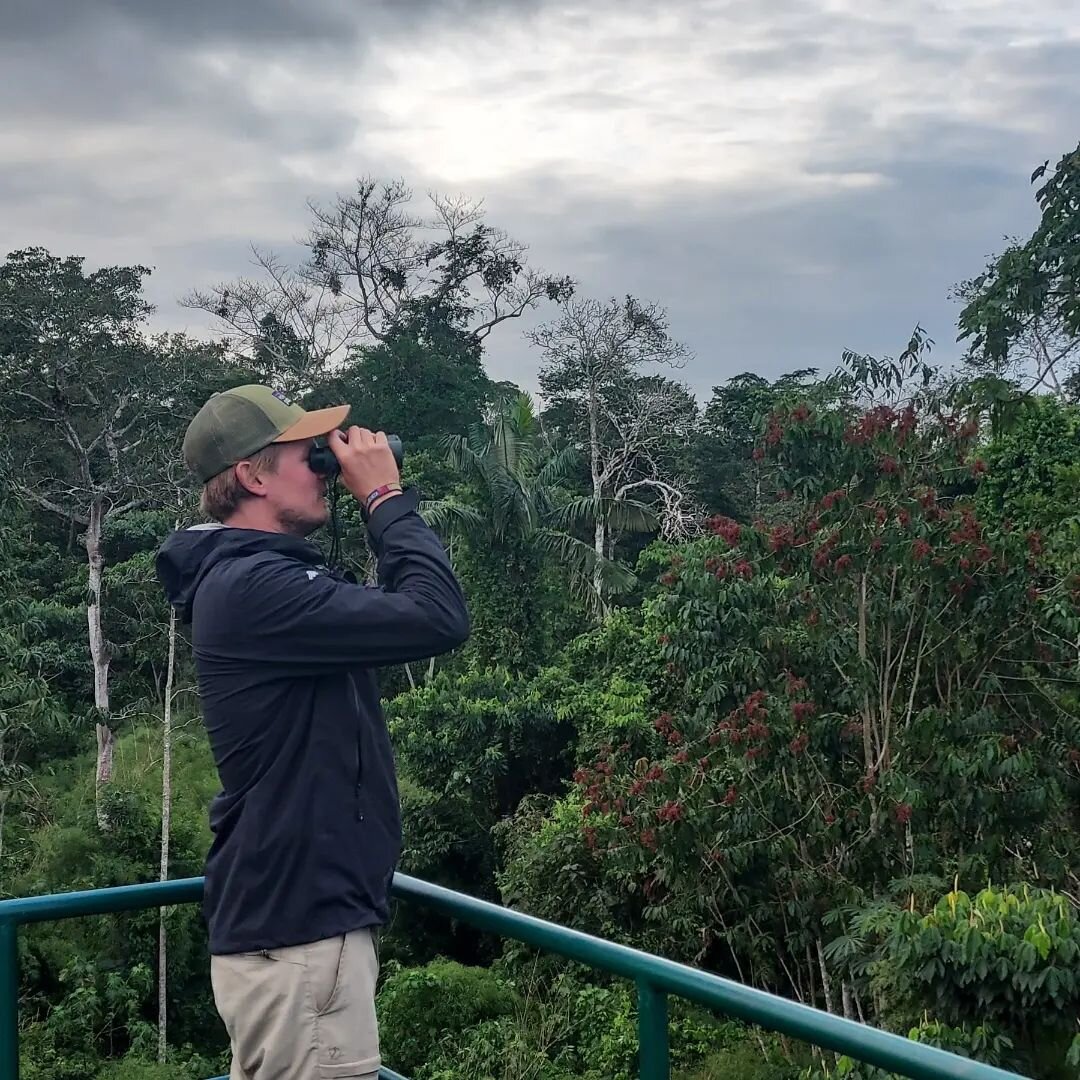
(306, 1012)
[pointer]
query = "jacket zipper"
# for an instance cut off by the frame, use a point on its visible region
(359, 749)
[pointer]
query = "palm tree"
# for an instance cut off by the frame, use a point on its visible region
(525, 502)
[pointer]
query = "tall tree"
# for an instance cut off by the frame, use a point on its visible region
(425, 380)
(85, 401)
(626, 422)
(371, 264)
(1022, 314)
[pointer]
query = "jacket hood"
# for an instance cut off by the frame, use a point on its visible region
(186, 557)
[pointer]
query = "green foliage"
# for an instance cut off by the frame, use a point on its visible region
(877, 689)
(996, 970)
(746, 1059)
(420, 1007)
(730, 478)
(1033, 471)
(421, 382)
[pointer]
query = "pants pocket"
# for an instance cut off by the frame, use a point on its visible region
(326, 967)
(347, 1035)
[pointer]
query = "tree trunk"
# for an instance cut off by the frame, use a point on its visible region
(600, 528)
(826, 981)
(849, 1004)
(166, 823)
(99, 654)
(599, 544)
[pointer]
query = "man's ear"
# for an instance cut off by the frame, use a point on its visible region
(248, 479)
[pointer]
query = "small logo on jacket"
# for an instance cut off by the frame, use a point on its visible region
(312, 574)
(283, 397)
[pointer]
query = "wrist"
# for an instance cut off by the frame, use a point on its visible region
(381, 498)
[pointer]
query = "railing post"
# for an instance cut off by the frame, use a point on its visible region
(9, 999)
(653, 1060)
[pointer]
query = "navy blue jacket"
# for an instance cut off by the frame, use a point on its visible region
(307, 827)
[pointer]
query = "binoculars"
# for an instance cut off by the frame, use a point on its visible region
(321, 458)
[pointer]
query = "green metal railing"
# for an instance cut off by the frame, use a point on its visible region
(654, 977)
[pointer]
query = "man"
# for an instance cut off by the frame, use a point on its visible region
(307, 824)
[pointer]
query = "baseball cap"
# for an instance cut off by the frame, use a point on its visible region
(236, 423)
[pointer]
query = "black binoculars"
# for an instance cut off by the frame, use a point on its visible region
(321, 458)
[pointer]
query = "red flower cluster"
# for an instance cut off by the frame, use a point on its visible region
(775, 430)
(780, 537)
(970, 531)
(920, 549)
(730, 797)
(670, 811)
(725, 527)
(872, 423)
(799, 743)
(800, 413)
(830, 499)
(803, 710)
(744, 569)
(902, 813)
(843, 563)
(794, 683)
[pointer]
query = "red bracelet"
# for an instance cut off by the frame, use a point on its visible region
(379, 491)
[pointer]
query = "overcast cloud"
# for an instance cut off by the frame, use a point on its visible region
(789, 178)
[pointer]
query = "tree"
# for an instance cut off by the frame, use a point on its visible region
(371, 266)
(519, 534)
(732, 479)
(424, 381)
(86, 402)
(626, 423)
(1022, 314)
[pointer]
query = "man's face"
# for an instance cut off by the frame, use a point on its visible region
(296, 495)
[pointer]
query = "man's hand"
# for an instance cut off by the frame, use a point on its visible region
(366, 461)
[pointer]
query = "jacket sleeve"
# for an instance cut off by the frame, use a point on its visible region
(299, 619)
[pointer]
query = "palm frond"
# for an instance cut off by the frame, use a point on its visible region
(558, 467)
(449, 518)
(462, 456)
(582, 562)
(624, 515)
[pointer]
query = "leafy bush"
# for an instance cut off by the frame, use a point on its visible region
(420, 1007)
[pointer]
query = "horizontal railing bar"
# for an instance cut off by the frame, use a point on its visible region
(72, 905)
(881, 1048)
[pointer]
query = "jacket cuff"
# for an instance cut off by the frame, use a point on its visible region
(389, 511)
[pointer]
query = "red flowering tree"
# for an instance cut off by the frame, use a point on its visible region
(869, 700)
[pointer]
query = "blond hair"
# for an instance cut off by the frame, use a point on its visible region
(222, 494)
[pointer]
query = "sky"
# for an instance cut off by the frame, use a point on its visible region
(788, 178)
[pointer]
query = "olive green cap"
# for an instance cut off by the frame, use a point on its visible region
(237, 423)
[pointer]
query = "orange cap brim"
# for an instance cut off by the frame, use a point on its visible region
(315, 423)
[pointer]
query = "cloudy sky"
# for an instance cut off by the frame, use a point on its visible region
(788, 177)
